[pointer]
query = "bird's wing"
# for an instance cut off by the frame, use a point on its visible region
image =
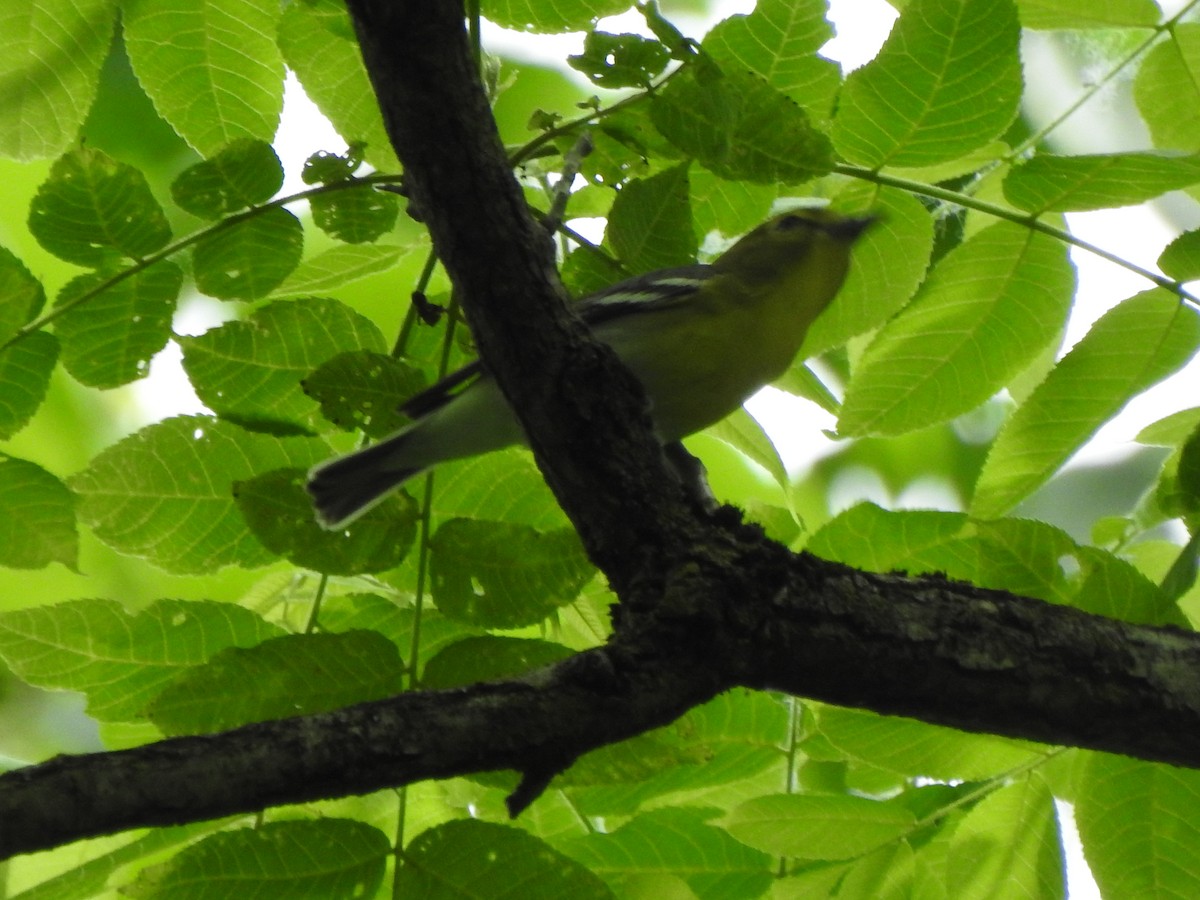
(653, 291)
(662, 289)
(438, 395)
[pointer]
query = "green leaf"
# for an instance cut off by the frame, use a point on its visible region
(1167, 89)
(166, 492)
(470, 858)
(357, 215)
(280, 514)
(317, 41)
(338, 266)
(1065, 183)
(210, 66)
(809, 827)
(1139, 822)
(1018, 555)
(561, 15)
(25, 368)
(504, 486)
(734, 123)
(889, 262)
(382, 614)
(21, 295)
(1181, 258)
(734, 737)
(869, 537)
(1023, 858)
(292, 675)
(986, 311)
(1172, 430)
(908, 747)
(743, 433)
(251, 258)
(620, 60)
(119, 659)
(37, 517)
(730, 207)
(1115, 588)
(250, 371)
(363, 389)
(779, 40)
(109, 863)
(93, 205)
(245, 173)
(51, 52)
(1075, 14)
(679, 843)
(650, 224)
(488, 657)
(325, 167)
(334, 859)
(1134, 345)
(947, 81)
(108, 339)
(501, 575)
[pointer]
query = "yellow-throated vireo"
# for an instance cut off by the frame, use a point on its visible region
(701, 339)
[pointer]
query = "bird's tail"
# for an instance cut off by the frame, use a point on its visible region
(345, 488)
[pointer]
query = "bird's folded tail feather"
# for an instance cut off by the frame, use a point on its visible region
(345, 488)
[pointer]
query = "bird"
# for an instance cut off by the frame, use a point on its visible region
(701, 339)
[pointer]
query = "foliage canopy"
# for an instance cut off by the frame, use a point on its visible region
(160, 567)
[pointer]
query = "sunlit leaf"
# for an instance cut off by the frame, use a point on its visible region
(336, 859)
(650, 224)
(1061, 183)
(469, 858)
(1135, 344)
(166, 492)
(1139, 821)
(620, 60)
(250, 371)
(363, 389)
(210, 66)
(37, 517)
(244, 173)
(293, 674)
(816, 827)
(739, 126)
(562, 15)
(280, 513)
(501, 575)
(489, 657)
(109, 338)
(677, 842)
(356, 215)
(251, 258)
(51, 52)
(121, 660)
(25, 368)
(340, 265)
(1167, 89)
(1073, 14)
(779, 40)
(317, 41)
(984, 313)
(947, 81)
(93, 207)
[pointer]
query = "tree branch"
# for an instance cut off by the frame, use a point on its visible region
(502, 264)
(937, 650)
